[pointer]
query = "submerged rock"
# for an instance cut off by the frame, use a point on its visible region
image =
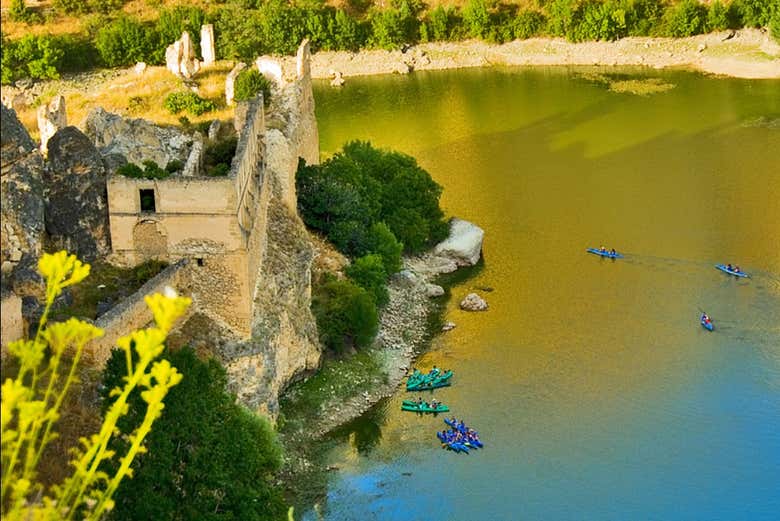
(473, 302)
(464, 245)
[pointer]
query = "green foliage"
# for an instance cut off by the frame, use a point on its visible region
(209, 458)
(439, 25)
(174, 165)
(174, 21)
(369, 273)
(81, 7)
(346, 33)
(774, 25)
(32, 56)
(361, 186)
(151, 170)
(757, 13)
(686, 18)
(346, 314)
(188, 101)
(529, 24)
(249, 83)
(32, 401)
(476, 18)
(380, 240)
(396, 25)
(596, 20)
(125, 41)
(19, 12)
(218, 156)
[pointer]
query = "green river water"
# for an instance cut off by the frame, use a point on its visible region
(591, 381)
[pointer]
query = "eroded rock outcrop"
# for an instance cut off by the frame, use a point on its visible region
(473, 302)
(136, 140)
(22, 201)
(76, 207)
(51, 118)
(180, 57)
(464, 244)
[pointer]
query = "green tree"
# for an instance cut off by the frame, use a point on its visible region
(369, 273)
(721, 16)
(380, 240)
(476, 18)
(209, 458)
(126, 40)
(529, 24)
(346, 314)
(249, 83)
(756, 13)
(686, 18)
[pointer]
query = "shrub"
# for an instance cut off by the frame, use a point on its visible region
(686, 18)
(369, 273)
(528, 24)
(19, 12)
(87, 6)
(220, 153)
(174, 165)
(594, 20)
(380, 240)
(188, 101)
(209, 458)
(346, 32)
(346, 314)
(150, 171)
(249, 83)
(439, 25)
(174, 21)
(236, 35)
(32, 56)
(126, 41)
(476, 18)
(31, 404)
(361, 186)
(720, 17)
(756, 13)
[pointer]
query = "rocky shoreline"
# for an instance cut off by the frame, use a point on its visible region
(747, 53)
(405, 321)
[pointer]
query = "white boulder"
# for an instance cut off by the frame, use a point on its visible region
(473, 302)
(464, 245)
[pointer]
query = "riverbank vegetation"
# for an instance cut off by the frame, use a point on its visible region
(372, 205)
(207, 458)
(42, 45)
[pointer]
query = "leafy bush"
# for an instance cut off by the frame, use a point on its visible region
(529, 24)
(249, 83)
(595, 20)
(174, 165)
(439, 24)
(720, 17)
(361, 186)
(369, 273)
(87, 6)
(188, 101)
(151, 170)
(756, 13)
(32, 56)
(395, 26)
(346, 314)
(380, 240)
(686, 18)
(174, 21)
(31, 404)
(126, 41)
(209, 458)
(218, 156)
(19, 12)
(476, 18)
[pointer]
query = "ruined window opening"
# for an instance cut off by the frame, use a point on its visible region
(200, 261)
(147, 200)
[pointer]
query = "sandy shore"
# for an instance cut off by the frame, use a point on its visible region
(747, 53)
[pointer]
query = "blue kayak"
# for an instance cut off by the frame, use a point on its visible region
(707, 325)
(597, 251)
(736, 273)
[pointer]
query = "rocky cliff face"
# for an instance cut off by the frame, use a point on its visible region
(136, 140)
(76, 207)
(22, 202)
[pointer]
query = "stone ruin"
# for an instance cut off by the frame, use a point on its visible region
(230, 82)
(207, 49)
(180, 56)
(51, 118)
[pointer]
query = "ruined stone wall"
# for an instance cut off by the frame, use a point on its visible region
(130, 314)
(12, 325)
(192, 215)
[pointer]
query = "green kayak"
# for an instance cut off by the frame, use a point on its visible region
(411, 406)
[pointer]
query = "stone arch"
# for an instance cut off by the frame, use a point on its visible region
(150, 239)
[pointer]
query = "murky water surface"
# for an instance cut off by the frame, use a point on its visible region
(597, 392)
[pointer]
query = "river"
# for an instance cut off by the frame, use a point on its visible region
(591, 381)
